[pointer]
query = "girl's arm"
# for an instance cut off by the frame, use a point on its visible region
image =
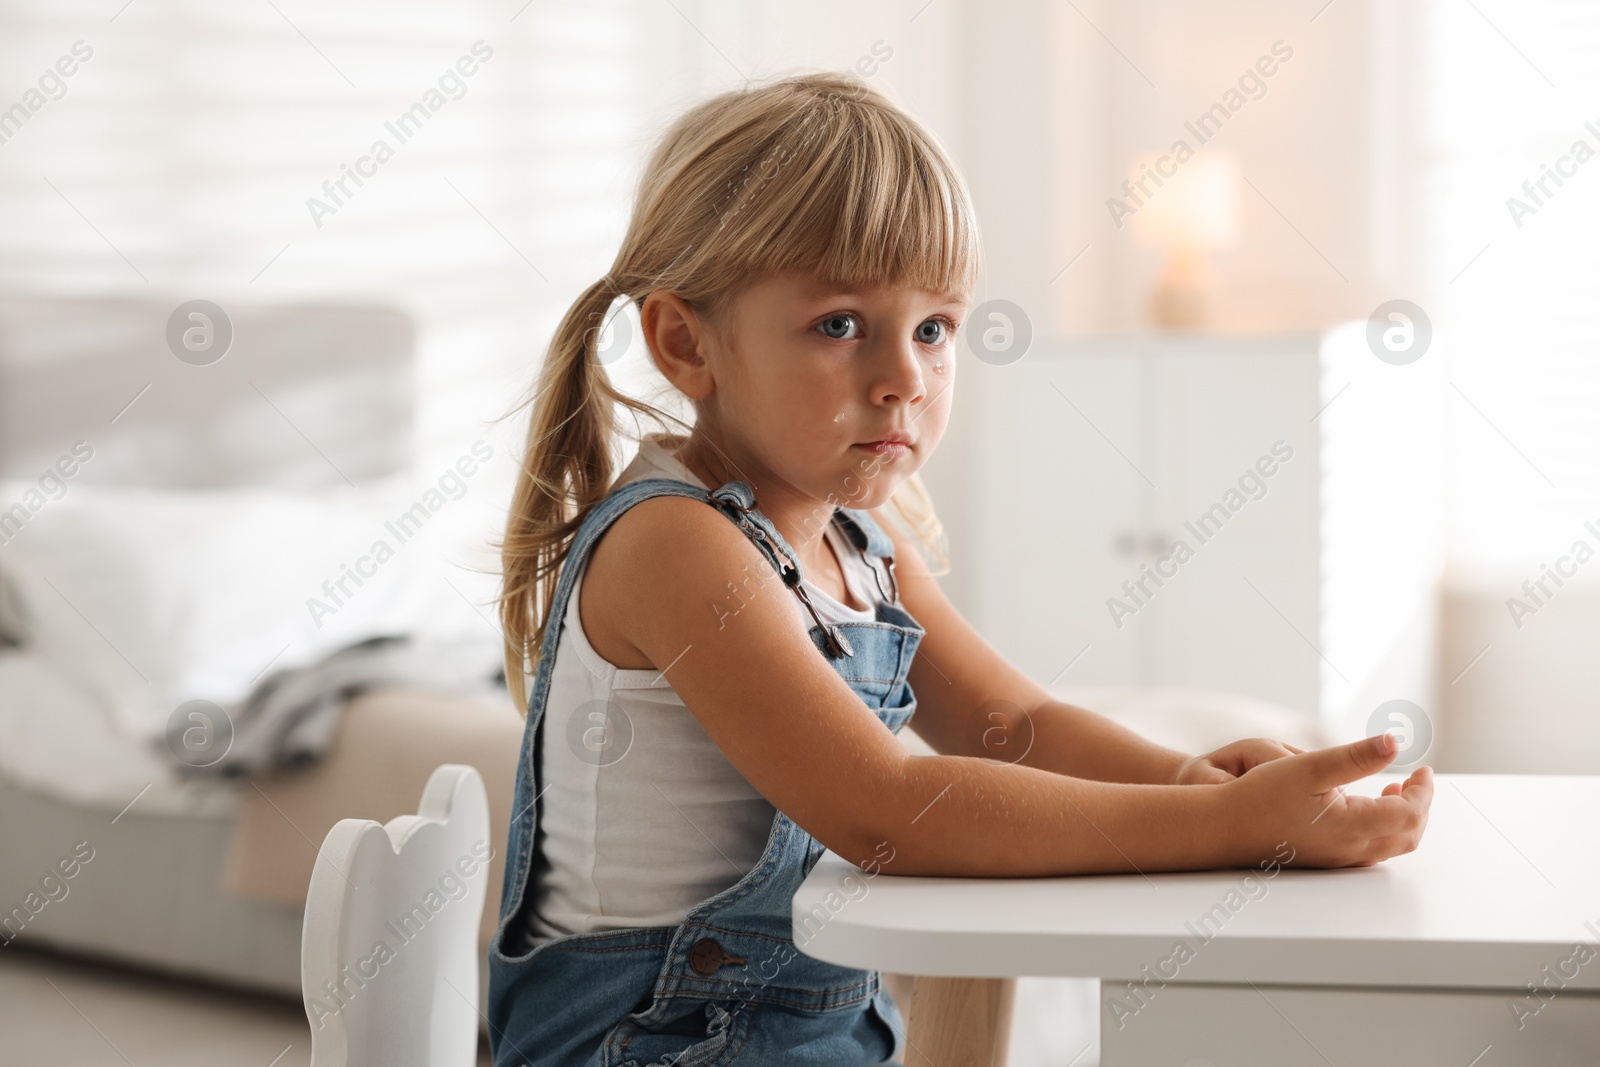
(804, 740)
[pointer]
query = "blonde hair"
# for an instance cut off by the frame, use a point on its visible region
(817, 173)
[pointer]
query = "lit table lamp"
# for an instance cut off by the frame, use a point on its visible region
(1193, 212)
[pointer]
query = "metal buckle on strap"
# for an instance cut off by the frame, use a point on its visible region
(862, 540)
(894, 584)
(892, 594)
(712, 497)
(838, 644)
(754, 530)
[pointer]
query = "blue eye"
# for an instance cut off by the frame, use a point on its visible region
(934, 336)
(836, 322)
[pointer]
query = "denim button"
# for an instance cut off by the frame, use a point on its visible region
(706, 957)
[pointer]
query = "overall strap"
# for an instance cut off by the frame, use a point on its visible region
(738, 501)
(873, 544)
(596, 522)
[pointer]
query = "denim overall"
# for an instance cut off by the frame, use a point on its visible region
(727, 985)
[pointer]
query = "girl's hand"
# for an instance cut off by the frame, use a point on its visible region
(1298, 801)
(1231, 761)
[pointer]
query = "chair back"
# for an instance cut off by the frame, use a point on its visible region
(389, 949)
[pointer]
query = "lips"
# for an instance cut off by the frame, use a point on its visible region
(895, 446)
(891, 439)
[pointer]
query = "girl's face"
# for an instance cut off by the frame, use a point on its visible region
(816, 382)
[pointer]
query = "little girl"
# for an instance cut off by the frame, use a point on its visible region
(725, 637)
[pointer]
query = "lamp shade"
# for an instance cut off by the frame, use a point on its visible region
(1194, 209)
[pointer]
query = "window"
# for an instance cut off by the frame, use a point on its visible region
(1509, 99)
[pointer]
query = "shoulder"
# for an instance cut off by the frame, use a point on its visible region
(686, 531)
(663, 560)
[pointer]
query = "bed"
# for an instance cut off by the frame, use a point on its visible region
(192, 874)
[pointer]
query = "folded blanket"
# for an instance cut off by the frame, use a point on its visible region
(288, 719)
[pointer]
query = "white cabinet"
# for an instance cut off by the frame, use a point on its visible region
(1194, 512)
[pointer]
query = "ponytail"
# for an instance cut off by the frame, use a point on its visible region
(566, 468)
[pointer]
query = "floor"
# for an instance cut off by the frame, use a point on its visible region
(68, 1012)
(73, 1012)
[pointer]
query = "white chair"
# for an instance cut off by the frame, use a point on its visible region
(388, 952)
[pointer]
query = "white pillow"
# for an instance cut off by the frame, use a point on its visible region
(154, 597)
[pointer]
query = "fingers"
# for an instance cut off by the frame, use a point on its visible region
(1395, 819)
(1394, 789)
(1240, 756)
(1418, 789)
(1347, 763)
(1261, 750)
(1210, 774)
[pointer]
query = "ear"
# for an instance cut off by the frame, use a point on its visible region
(675, 335)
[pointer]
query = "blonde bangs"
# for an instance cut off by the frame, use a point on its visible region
(853, 194)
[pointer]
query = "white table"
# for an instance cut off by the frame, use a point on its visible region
(1425, 958)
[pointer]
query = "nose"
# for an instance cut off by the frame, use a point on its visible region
(902, 380)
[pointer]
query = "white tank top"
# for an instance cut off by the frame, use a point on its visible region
(642, 840)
